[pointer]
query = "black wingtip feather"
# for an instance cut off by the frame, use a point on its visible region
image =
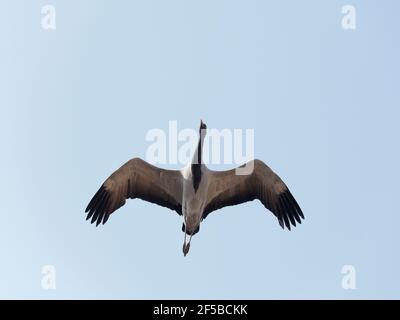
(98, 207)
(289, 200)
(289, 210)
(89, 215)
(101, 208)
(106, 218)
(280, 214)
(295, 204)
(283, 214)
(95, 198)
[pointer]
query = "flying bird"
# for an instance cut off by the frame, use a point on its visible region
(195, 191)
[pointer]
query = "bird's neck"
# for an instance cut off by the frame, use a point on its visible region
(197, 161)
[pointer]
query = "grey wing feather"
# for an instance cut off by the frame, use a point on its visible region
(227, 189)
(136, 179)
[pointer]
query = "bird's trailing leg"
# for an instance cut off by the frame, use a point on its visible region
(186, 243)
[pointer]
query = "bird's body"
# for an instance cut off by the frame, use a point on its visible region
(193, 201)
(195, 191)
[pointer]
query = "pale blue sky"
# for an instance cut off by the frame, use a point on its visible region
(77, 102)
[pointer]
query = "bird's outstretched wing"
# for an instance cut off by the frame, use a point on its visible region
(136, 179)
(227, 189)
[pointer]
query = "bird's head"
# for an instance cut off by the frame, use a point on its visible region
(203, 126)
